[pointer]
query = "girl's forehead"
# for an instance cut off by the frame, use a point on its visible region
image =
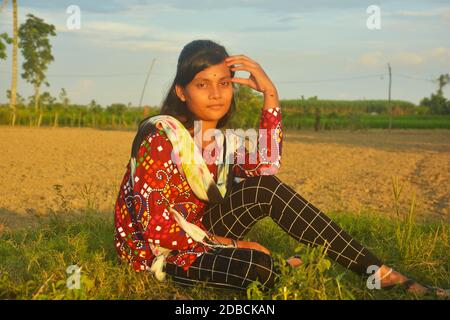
(214, 72)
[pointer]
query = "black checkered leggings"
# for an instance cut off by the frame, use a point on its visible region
(249, 201)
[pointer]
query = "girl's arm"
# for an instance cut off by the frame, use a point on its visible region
(271, 98)
(265, 160)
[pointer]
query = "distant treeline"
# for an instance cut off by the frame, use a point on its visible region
(297, 114)
(115, 116)
(345, 107)
(119, 116)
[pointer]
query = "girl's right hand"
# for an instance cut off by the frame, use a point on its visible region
(252, 245)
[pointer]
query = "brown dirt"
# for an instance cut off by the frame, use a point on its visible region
(335, 170)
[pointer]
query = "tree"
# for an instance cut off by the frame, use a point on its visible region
(14, 41)
(116, 109)
(13, 100)
(20, 100)
(37, 52)
(95, 110)
(437, 103)
(248, 105)
(47, 101)
(82, 111)
(4, 40)
(61, 106)
(443, 80)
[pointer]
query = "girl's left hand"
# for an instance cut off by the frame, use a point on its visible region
(258, 79)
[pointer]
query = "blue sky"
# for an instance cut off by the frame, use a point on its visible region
(307, 48)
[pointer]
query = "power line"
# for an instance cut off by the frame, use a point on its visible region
(413, 77)
(333, 79)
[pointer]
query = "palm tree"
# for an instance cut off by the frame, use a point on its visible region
(13, 97)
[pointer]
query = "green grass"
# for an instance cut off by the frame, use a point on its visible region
(33, 262)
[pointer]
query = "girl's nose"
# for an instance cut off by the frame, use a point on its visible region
(214, 93)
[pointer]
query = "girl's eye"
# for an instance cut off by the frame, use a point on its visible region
(226, 83)
(201, 85)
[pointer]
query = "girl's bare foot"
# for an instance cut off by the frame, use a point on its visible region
(390, 278)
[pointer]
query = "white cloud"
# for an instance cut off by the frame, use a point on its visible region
(415, 13)
(443, 13)
(377, 59)
(86, 84)
(371, 59)
(132, 37)
(408, 58)
(441, 52)
(446, 15)
(116, 28)
(162, 46)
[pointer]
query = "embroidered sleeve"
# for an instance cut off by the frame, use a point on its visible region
(264, 156)
(158, 185)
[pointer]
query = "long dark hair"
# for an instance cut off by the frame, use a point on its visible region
(195, 57)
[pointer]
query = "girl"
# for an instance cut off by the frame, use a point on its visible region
(187, 218)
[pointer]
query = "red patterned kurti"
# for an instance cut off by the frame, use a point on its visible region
(158, 184)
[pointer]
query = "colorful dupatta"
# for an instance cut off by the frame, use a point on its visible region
(189, 160)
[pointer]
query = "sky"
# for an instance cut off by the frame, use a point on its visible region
(307, 48)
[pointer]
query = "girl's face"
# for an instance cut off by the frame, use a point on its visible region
(208, 96)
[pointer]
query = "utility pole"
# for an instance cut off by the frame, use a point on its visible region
(389, 98)
(146, 80)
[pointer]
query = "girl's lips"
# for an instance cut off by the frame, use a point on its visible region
(215, 106)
